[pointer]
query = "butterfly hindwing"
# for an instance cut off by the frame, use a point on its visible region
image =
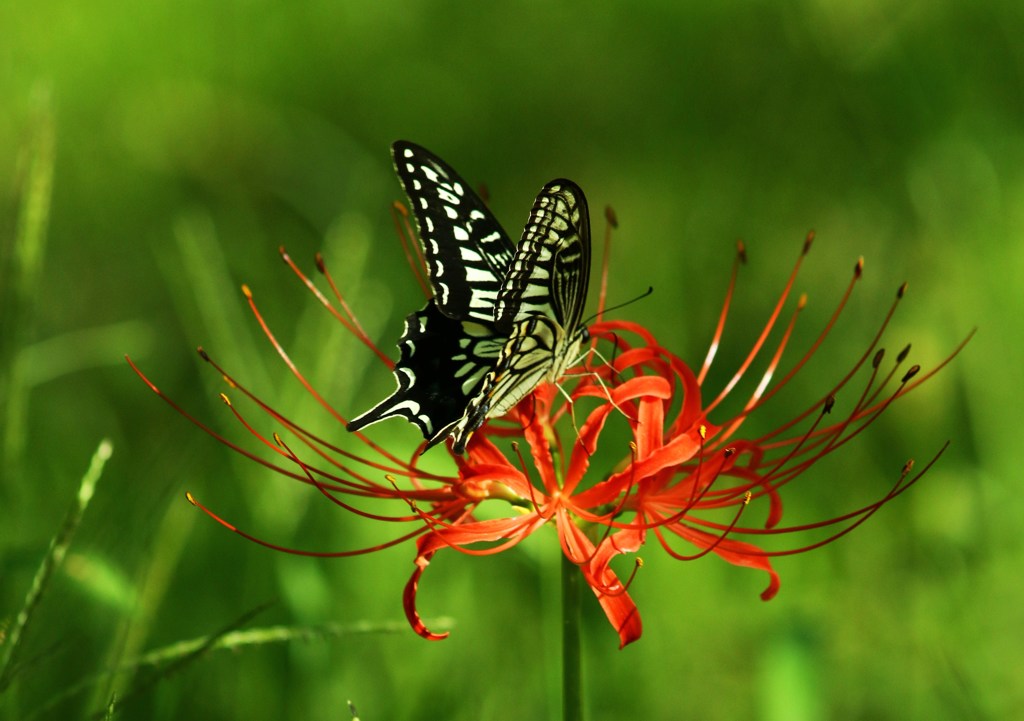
(466, 249)
(441, 368)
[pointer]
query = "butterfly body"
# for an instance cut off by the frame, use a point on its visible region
(503, 318)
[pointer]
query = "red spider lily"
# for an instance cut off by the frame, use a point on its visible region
(683, 471)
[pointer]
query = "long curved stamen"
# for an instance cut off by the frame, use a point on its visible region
(611, 222)
(345, 316)
(716, 339)
(659, 533)
(297, 551)
(856, 517)
(399, 468)
(412, 249)
(834, 391)
(756, 397)
(759, 343)
(302, 379)
(330, 493)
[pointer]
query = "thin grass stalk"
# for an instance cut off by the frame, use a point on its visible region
(52, 561)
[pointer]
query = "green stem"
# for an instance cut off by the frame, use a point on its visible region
(572, 697)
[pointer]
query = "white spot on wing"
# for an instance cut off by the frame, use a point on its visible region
(469, 255)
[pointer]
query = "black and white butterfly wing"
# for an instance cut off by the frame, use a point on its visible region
(550, 271)
(540, 305)
(449, 346)
(466, 249)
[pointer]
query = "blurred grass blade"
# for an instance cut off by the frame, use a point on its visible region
(77, 350)
(19, 294)
(236, 640)
(179, 661)
(173, 657)
(52, 561)
(209, 288)
(108, 713)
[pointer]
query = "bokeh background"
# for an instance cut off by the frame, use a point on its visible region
(153, 157)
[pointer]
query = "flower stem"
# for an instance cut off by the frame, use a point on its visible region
(572, 697)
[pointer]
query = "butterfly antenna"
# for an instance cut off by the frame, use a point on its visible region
(602, 311)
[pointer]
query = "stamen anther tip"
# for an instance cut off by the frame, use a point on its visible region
(808, 242)
(610, 216)
(914, 369)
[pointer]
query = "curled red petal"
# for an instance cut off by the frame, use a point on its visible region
(628, 540)
(541, 452)
(615, 601)
(481, 451)
(456, 537)
(409, 602)
(737, 553)
(622, 614)
(585, 446)
(650, 427)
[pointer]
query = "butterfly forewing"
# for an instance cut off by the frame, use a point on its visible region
(550, 271)
(467, 251)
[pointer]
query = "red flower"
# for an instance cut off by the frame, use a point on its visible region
(683, 470)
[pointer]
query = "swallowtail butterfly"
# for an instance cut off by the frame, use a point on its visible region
(503, 318)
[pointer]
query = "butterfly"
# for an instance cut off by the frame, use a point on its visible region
(503, 319)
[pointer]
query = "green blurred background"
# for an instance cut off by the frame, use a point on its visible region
(153, 156)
